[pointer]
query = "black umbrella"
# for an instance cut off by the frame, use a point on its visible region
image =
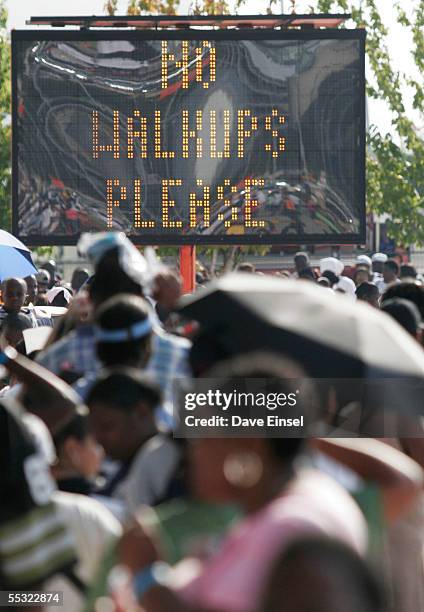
(331, 336)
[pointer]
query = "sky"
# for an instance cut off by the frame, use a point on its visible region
(398, 39)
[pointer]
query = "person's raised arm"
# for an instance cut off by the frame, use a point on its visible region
(399, 477)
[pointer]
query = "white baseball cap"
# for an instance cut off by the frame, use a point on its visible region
(332, 264)
(381, 257)
(346, 285)
(364, 260)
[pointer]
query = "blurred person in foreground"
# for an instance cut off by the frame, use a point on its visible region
(63, 536)
(283, 502)
(285, 499)
(120, 268)
(322, 575)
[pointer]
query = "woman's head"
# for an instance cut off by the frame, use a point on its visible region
(249, 470)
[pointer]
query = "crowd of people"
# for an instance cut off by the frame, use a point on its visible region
(99, 500)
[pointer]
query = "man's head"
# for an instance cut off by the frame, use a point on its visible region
(408, 271)
(124, 331)
(32, 288)
(12, 329)
(368, 292)
(378, 261)
(406, 314)
(13, 292)
(301, 261)
(79, 277)
(122, 404)
(390, 271)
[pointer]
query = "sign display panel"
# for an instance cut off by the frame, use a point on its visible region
(189, 137)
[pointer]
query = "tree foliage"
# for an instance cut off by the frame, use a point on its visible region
(395, 162)
(5, 128)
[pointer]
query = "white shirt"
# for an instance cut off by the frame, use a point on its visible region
(382, 286)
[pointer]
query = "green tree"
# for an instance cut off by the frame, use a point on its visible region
(395, 162)
(5, 127)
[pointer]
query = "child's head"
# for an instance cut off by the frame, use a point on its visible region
(13, 291)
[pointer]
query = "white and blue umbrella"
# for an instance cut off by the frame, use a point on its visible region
(15, 258)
